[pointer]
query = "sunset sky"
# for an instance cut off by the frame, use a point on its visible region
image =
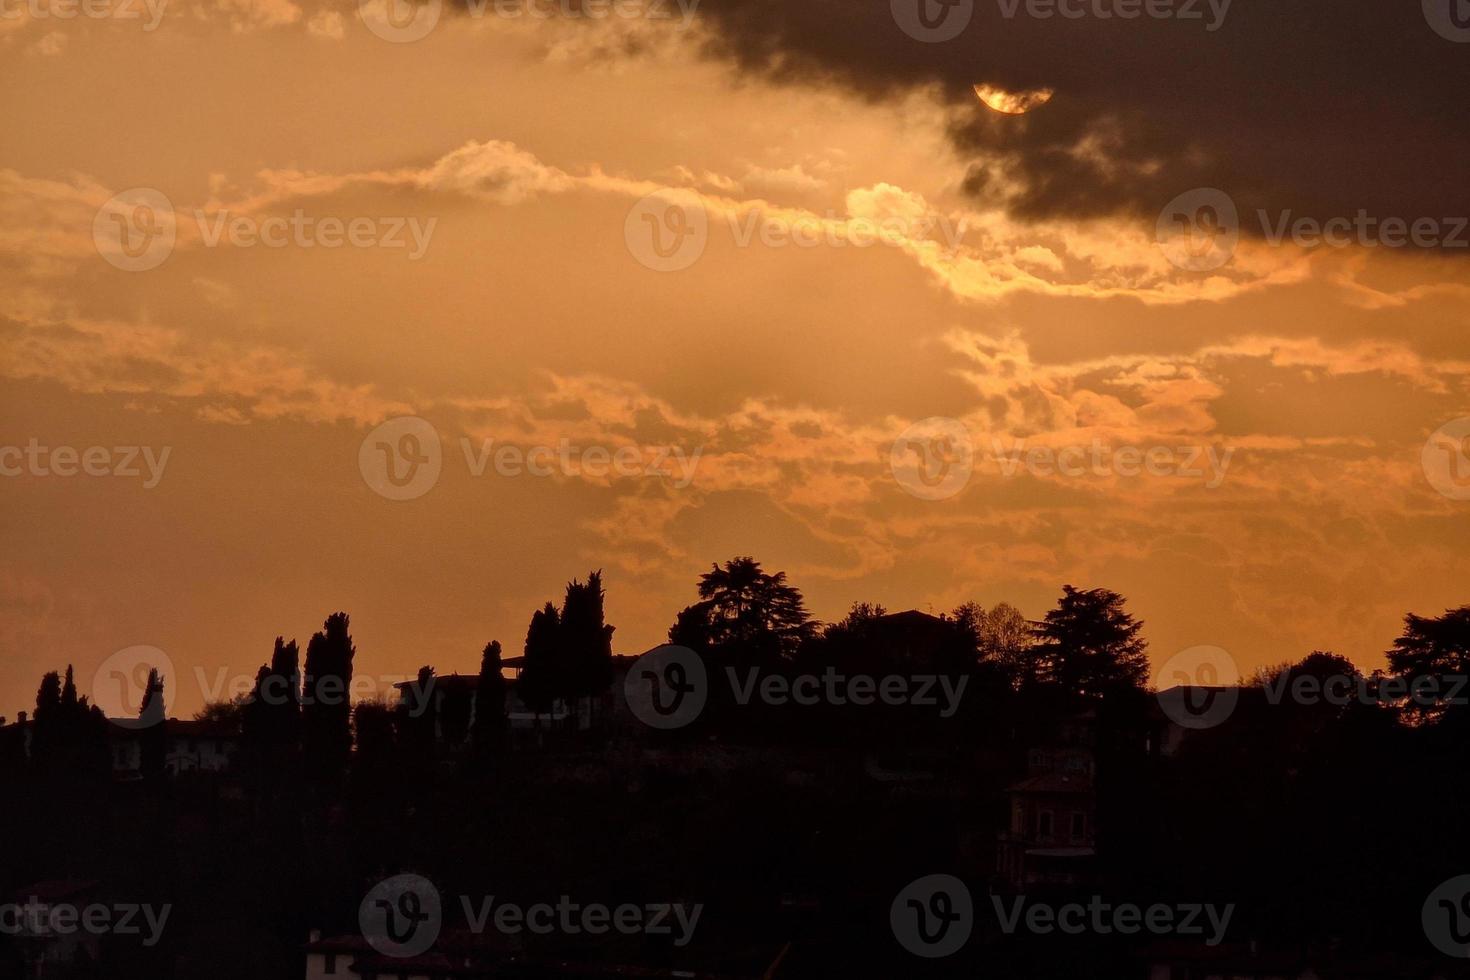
(1016, 285)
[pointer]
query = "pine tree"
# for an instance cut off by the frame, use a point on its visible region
(586, 641)
(271, 717)
(47, 736)
(153, 720)
(488, 734)
(539, 683)
(326, 715)
(1089, 643)
(745, 615)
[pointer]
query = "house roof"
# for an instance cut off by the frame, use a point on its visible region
(911, 617)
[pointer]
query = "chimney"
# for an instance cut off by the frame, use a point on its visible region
(22, 717)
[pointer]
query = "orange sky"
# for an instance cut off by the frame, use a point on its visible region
(523, 149)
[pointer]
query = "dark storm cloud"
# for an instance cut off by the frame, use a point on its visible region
(1324, 107)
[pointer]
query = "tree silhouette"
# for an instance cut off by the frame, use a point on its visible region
(1090, 644)
(271, 717)
(1007, 639)
(326, 717)
(488, 735)
(69, 700)
(372, 726)
(229, 713)
(586, 639)
(744, 615)
(376, 745)
(1433, 647)
(69, 743)
(538, 683)
(47, 736)
(153, 718)
(859, 615)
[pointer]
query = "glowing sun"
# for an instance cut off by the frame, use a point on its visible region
(1013, 103)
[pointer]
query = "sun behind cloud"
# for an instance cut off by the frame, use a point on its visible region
(1015, 103)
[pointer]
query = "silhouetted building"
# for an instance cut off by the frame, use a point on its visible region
(193, 746)
(1051, 837)
(48, 952)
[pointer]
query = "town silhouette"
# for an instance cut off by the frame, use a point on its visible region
(972, 793)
